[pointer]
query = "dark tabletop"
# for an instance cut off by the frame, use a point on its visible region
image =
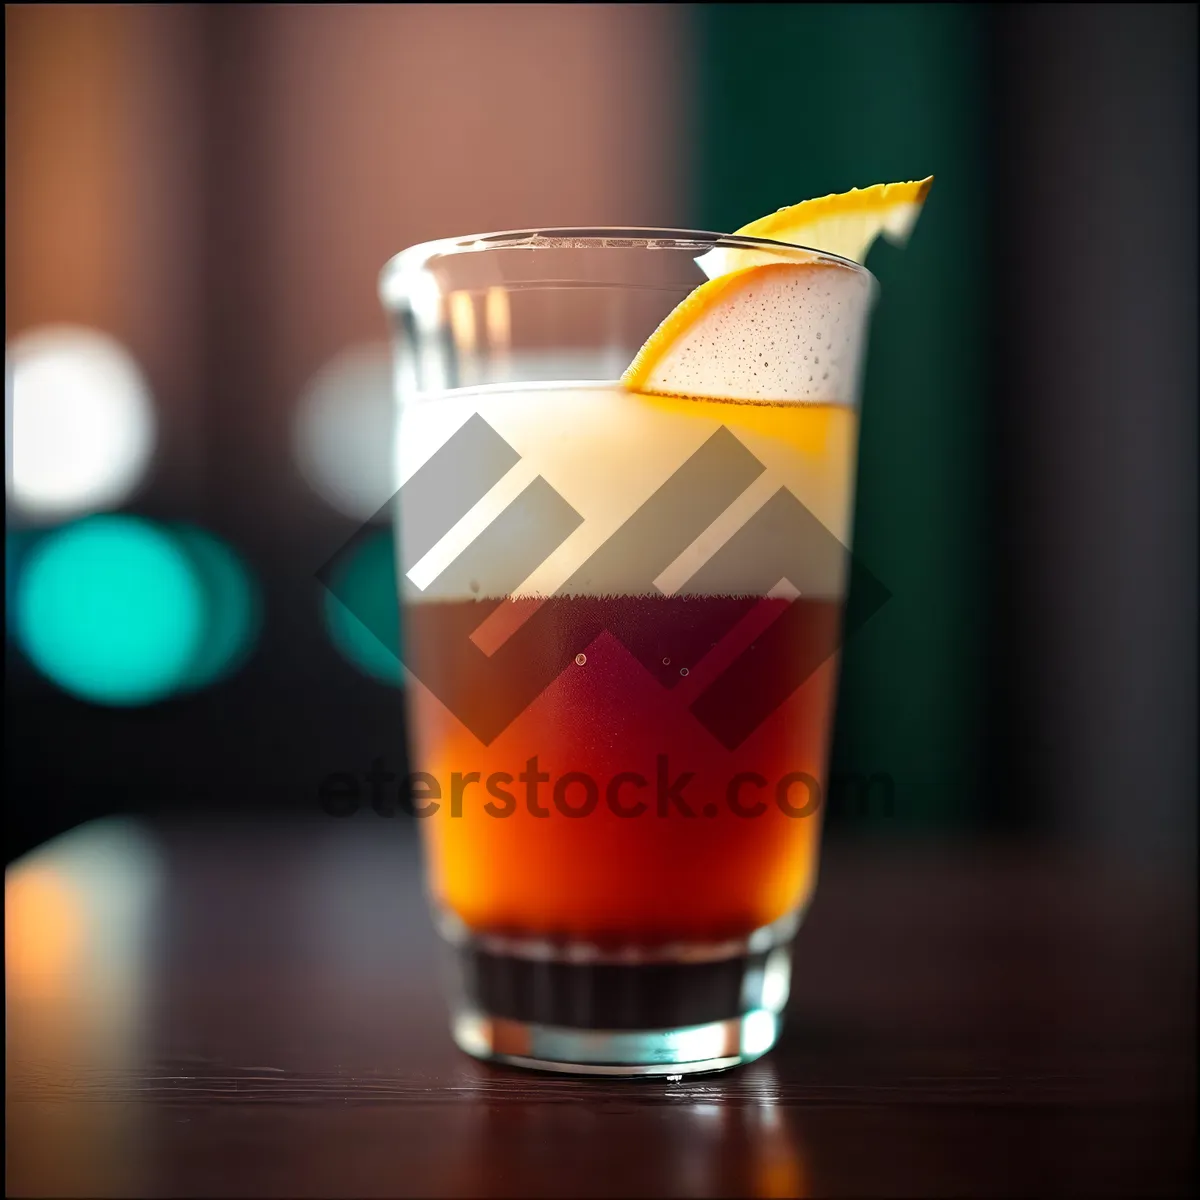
(253, 1011)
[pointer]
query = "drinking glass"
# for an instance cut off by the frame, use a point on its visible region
(620, 624)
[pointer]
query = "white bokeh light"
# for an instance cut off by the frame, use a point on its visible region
(343, 430)
(79, 420)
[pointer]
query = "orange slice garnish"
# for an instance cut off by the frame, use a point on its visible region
(783, 331)
(764, 330)
(846, 224)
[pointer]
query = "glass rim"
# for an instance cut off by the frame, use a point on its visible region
(418, 256)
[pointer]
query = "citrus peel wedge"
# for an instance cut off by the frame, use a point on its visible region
(764, 330)
(783, 331)
(846, 224)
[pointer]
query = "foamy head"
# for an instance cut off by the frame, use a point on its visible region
(724, 455)
(780, 332)
(570, 480)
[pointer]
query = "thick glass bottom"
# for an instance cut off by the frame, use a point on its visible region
(577, 1009)
(685, 1050)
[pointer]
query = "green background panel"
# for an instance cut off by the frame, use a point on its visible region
(798, 101)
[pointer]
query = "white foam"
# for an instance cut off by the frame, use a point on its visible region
(605, 451)
(790, 332)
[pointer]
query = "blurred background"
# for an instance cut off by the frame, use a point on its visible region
(198, 203)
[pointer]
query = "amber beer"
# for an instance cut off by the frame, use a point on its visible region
(606, 812)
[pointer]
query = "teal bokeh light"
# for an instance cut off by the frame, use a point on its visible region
(362, 608)
(111, 609)
(233, 607)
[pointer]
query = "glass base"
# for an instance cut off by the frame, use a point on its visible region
(686, 1050)
(576, 1008)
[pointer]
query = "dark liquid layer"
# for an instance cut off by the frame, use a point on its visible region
(616, 997)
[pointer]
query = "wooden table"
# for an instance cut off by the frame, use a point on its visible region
(254, 1011)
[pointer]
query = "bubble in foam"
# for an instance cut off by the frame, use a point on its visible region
(751, 343)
